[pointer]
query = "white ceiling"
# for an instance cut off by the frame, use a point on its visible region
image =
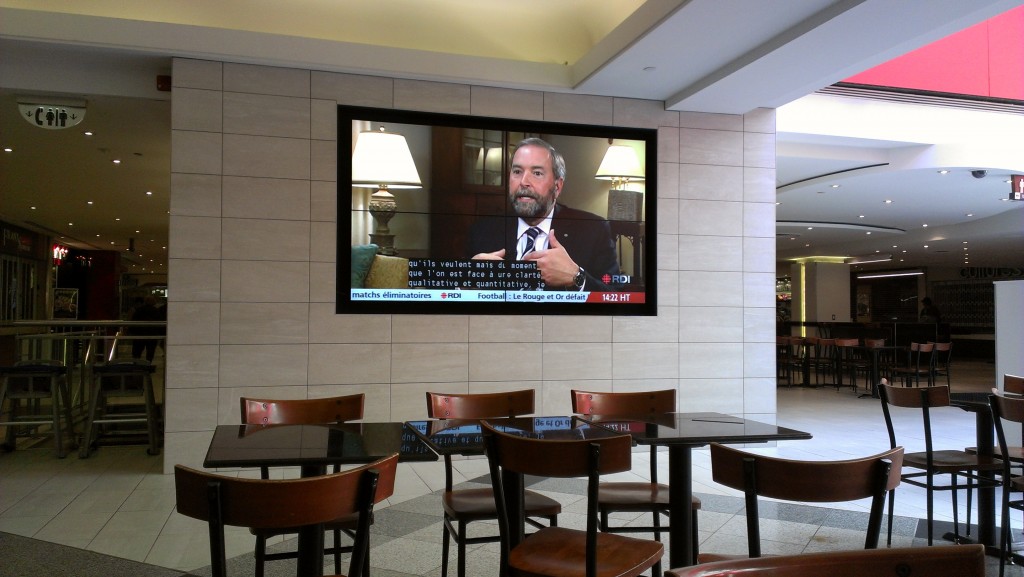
(725, 56)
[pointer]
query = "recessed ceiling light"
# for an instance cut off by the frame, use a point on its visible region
(868, 232)
(778, 204)
(89, 202)
(965, 242)
(943, 172)
(887, 201)
(6, 149)
(810, 228)
(87, 133)
(117, 161)
(926, 246)
(149, 193)
(925, 225)
(969, 214)
(895, 245)
(860, 216)
(117, 219)
(71, 224)
(836, 186)
(32, 207)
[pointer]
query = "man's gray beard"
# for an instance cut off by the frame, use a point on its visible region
(531, 210)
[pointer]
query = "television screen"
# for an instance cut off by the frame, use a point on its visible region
(441, 213)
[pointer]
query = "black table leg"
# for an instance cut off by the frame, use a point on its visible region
(311, 539)
(680, 461)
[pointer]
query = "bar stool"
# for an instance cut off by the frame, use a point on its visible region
(34, 381)
(121, 379)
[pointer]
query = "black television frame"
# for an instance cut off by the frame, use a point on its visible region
(344, 304)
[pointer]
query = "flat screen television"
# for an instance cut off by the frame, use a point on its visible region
(453, 234)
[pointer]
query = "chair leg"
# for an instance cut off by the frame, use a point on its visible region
(892, 501)
(930, 493)
(337, 552)
(260, 554)
(445, 537)
(461, 541)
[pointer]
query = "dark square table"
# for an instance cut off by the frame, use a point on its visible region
(313, 448)
(681, 432)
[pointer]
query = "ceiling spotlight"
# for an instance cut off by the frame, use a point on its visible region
(117, 161)
(925, 225)
(887, 201)
(149, 193)
(943, 172)
(835, 186)
(8, 149)
(87, 133)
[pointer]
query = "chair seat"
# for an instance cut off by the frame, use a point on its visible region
(1016, 454)
(635, 496)
(561, 552)
(952, 461)
(478, 504)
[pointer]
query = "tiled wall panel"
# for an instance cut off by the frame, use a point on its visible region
(252, 276)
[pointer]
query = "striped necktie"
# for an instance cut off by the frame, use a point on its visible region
(531, 239)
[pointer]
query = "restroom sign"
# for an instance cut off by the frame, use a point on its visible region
(1017, 187)
(51, 116)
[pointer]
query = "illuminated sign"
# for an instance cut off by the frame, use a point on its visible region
(60, 252)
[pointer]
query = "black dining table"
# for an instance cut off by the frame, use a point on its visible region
(681, 432)
(313, 448)
(465, 437)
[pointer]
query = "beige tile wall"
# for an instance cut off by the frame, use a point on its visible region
(253, 210)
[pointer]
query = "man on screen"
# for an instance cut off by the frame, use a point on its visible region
(573, 249)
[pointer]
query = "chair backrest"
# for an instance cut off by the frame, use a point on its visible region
(1010, 409)
(874, 343)
(923, 398)
(624, 403)
(289, 503)
(1013, 384)
(589, 458)
(807, 482)
(302, 411)
(480, 405)
(961, 561)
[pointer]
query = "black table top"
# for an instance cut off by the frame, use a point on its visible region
(305, 445)
(465, 436)
(695, 429)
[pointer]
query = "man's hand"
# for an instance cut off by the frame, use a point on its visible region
(496, 255)
(557, 269)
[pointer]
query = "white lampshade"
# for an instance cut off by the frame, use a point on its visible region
(383, 158)
(620, 165)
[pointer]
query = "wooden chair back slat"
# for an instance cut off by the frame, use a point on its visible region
(480, 405)
(623, 404)
(962, 561)
(302, 411)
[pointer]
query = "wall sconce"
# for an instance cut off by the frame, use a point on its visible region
(382, 160)
(621, 165)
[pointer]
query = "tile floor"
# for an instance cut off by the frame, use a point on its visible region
(118, 501)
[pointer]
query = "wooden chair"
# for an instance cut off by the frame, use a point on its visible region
(464, 506)
(942, 358)
(851, 361)
(558, 551)
(302, 412)
(633, 497)
(1009, 409)
(807, 482)
(823, 359)
(1013, 386)
(917, 364)
(958, 464)
(962, 561)
(267, 504)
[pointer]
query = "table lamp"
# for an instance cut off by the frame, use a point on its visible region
(620, 165)
(382, 160)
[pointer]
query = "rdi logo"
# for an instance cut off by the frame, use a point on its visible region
(616, 279)
(452, 295)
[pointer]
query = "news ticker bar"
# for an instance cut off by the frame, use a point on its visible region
(428, 295)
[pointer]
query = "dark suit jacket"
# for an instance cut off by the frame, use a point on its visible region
(585, 236)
